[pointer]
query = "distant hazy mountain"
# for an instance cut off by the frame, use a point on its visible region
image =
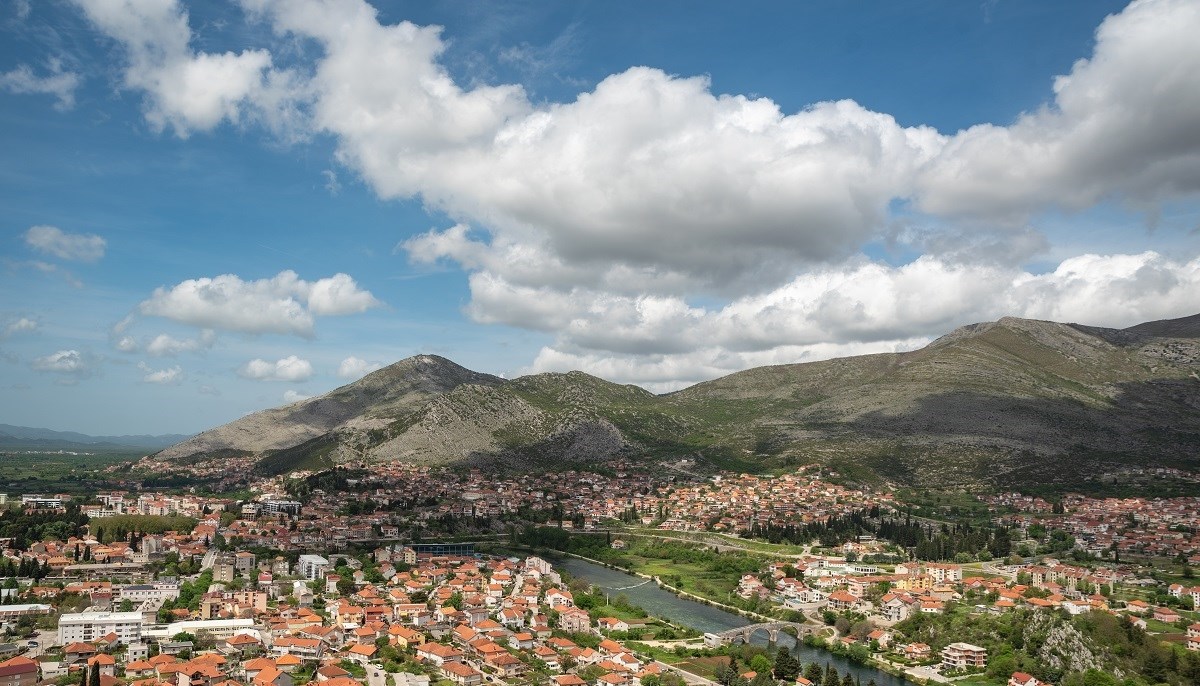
(15, 437)
(1013, 399)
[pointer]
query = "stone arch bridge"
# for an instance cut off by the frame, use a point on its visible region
(742, 634)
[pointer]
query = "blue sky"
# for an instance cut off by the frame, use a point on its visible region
(213, 208)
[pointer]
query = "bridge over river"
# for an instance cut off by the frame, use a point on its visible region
(742, 634)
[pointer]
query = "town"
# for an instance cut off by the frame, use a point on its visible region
(341, 577)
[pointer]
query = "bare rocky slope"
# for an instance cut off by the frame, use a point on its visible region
(991, 402)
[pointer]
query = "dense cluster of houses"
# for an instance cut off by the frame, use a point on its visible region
(728, 502)
(463, 619)
(736, 502)
(1162, 527)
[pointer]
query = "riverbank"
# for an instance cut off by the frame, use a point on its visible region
(703, 615)
(822, 649)
(677, 591)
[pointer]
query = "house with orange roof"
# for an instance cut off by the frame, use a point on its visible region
(404, 637)
(462, 674)
(288, 663)
(361, 653)
(548, 656)
(327, 672)
(18, 671)
(242, 645)
(1140, 607)
(1166, 614)
(438, 654)
(506, 665)
(842, 600)
(305, 648)
(917, 651)
(107, 663)
(78, 653)
(272, 676)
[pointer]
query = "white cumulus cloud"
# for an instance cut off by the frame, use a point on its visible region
(165, 345)
(355, 368)
(662, 231)
(665, 343)
(292, 396)
(187, 90)
(290, 368)
(170, 376)
(68, 246)
(283, 304)
(1122, 124)
(70, 365)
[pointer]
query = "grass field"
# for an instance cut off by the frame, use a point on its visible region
(981, 680)
(696, 577)
(53, 472)
(703, 666)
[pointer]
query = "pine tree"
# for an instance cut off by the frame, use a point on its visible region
(94, 677)
(786, 666)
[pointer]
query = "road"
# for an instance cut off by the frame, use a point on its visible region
(926, 674)
(376, 676)
(44, 638)
(210, 558)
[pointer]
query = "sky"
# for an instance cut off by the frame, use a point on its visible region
(211, 208)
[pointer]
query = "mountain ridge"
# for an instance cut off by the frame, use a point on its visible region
(29, 437)
(979, 403)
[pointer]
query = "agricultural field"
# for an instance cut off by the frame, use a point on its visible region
(55, 472)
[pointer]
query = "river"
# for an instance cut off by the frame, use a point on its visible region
(706, 618)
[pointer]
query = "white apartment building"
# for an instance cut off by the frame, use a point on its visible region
(312, 567)
(140, 593)
(219, 628)
(89, 626)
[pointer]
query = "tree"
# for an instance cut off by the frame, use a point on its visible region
(94, 674)
(832, 678)
(760, 664)
(762, 679)
(787, 668)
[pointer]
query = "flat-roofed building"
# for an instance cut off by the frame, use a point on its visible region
(88, 626)
(312, 567)
(963, 656)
